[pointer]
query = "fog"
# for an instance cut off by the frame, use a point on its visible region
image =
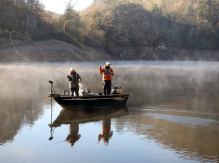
(147, 82)
(190, 88)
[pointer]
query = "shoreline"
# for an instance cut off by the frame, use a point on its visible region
(54, 51)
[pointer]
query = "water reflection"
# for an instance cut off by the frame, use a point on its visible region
(77, 116)
(73, 134)
(170, 105)
(16, 113)
(192, 135)
(106, 131)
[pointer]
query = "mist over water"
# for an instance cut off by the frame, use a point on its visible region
(172, 111)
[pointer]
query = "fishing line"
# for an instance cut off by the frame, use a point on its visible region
(83, 46)
(98, 34)
(28, 39)
(103, 37)
(78, 42)
(61, 72)
(16, 48)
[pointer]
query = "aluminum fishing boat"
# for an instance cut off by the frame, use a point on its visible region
(90, 100)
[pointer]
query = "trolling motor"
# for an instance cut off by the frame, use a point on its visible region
(52, 89)
(51, 132)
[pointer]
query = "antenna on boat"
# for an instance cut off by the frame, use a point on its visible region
(52, 90)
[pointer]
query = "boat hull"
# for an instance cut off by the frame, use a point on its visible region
(91, 101)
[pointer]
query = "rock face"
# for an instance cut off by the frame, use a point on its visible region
(168, 54)
(57, 51)
(51, 51)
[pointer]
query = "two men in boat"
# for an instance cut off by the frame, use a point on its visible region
(74, 79)
(107, 73)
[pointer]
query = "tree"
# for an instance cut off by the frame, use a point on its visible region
(188, 10)
(69, 12)
(206, 12)
(163, 8)
(155, 8)
(203, 11)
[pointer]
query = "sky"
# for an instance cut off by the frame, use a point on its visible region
(59, 6)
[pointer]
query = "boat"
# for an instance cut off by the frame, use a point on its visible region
(90, 100)
(67, 116)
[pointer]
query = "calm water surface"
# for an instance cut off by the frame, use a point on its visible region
(172, 114)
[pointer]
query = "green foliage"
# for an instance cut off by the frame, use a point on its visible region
(155, 8)
(188, 10)
(203, 11)
(69, 12)
(118, 21)
(206, 12)
(163, 8)
(23, 16)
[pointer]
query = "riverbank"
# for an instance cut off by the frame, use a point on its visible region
(57, 51)
(51, 51)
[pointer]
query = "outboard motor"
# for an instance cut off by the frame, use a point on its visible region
(116, 90)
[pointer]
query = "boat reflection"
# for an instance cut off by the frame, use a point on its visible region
(76, 117)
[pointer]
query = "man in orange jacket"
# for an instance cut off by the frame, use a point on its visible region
(107, 73)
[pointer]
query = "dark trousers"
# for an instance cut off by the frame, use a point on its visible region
(74, 89)
(106, 87)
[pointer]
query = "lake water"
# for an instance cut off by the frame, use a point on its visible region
(172, 114)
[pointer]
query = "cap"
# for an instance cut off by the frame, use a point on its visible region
(71, 69)
(107, 63)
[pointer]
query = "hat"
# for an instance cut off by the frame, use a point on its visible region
(107, 63)
(71, 69)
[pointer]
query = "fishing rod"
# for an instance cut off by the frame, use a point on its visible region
(137, 59)
(61, 73)
(83, 46)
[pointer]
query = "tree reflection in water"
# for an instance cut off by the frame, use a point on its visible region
(166, 105)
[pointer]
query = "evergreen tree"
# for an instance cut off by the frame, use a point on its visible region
(206, 12)
(203, 11)
(155, 8)
(69, 12)
(163, 8)
(188, 10)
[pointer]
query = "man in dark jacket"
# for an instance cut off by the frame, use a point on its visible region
(74, 79)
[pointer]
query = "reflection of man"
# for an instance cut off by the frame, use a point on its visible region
(107, 73)
(73, 134)
(106, 133)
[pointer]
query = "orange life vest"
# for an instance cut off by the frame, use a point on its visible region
(106, 73)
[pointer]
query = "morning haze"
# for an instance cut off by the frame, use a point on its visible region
(164, 54)
(170, 103)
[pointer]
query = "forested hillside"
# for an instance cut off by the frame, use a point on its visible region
(175, 23)
(118, 24)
